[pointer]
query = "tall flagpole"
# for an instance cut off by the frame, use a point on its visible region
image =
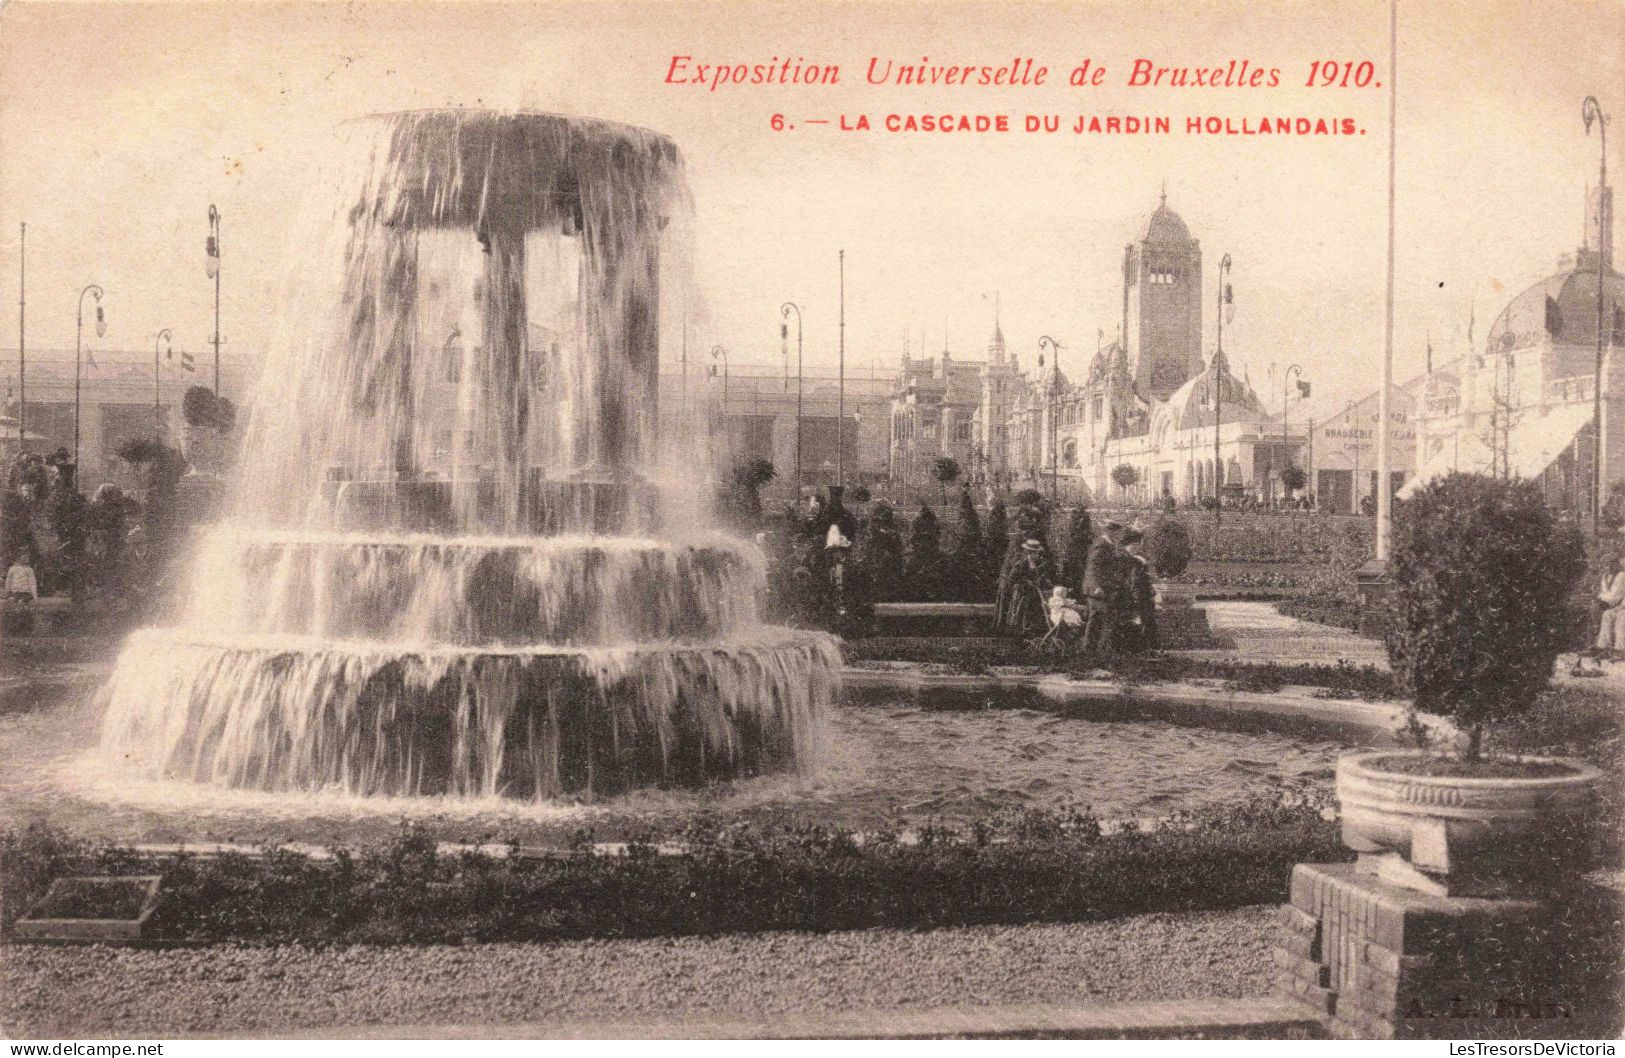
(1385, 506)
(22, 356)
(840, 407)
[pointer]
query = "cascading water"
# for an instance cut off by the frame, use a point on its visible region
(447, 569)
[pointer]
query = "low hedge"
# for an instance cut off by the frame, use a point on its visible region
(1341, 679)
(1338, 613)
(1029, 867)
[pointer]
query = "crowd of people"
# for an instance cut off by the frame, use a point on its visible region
(100, 552)
(828, 564)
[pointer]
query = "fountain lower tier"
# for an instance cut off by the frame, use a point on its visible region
(375, 719)
(473, 591)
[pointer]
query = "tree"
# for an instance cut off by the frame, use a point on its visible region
(1482, 575)
(161, 469)
(1293, 478)
(749, 477)
(967, 557)
(879, 554)
(923, 570)
(995, 539)
(946, 470)
(1080, 536)
(1124, 476)
(199, 406)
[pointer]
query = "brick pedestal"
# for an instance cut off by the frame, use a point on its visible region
(1378, 961)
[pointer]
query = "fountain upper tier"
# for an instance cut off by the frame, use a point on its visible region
(475, 339)
(474, 590)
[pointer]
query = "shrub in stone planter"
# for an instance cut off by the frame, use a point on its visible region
(1481, 576)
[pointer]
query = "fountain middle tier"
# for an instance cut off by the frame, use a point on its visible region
(473, 590)
(285, 714)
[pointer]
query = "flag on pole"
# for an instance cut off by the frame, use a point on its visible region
(90, 358)
(1303, 389)
(187, 362)
(1229, 304)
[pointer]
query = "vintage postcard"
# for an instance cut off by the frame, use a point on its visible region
(730, 519)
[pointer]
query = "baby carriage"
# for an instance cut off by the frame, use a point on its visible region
(1065, 624)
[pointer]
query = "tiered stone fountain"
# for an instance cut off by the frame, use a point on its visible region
(448, 568)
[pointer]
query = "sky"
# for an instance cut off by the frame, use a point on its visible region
(121, 123)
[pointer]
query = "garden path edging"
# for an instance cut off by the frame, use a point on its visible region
(1375, 722)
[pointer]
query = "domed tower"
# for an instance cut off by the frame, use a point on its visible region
(1162, 304)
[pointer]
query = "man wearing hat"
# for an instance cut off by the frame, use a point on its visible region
(1140, 621)
(1105, 586)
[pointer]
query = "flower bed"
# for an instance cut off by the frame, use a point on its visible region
(1028, 867)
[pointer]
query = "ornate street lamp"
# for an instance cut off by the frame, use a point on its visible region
(1054, 432)
(1286, 388)
(78, 353)
(718, 352)
(1591, 111)
(163, 337)
(784, 343)
(1354, 480)
(1225, 303)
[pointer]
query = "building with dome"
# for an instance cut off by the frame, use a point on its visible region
(1146, 400)
(1521, 404)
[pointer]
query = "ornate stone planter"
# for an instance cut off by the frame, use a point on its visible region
(1458, 836)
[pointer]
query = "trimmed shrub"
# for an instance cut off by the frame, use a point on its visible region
(968, 585)
(946, 470)
(1168, 548)
(1080, 534)
(1481, 577)
(923, 572)
(879, 554)
(995, 541)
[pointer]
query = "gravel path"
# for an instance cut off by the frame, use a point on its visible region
(92, 992)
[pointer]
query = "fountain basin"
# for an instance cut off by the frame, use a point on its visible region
(292, 713)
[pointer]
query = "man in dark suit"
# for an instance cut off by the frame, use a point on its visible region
(1105, 586)
(1140, 621)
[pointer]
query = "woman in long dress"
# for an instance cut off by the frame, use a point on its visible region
(1611, 628)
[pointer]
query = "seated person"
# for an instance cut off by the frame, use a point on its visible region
(1063, 610)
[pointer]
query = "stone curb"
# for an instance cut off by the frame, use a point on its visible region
(1191, 1019)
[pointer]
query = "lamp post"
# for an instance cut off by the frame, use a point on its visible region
(1054, 393)
(22, 355)
(1218, 389)
(718, 352)
(78, 352)
(162, 337)
(784, 343)
(1354, 480)
(211, 266)
(1591, 111)
(1286, 388)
